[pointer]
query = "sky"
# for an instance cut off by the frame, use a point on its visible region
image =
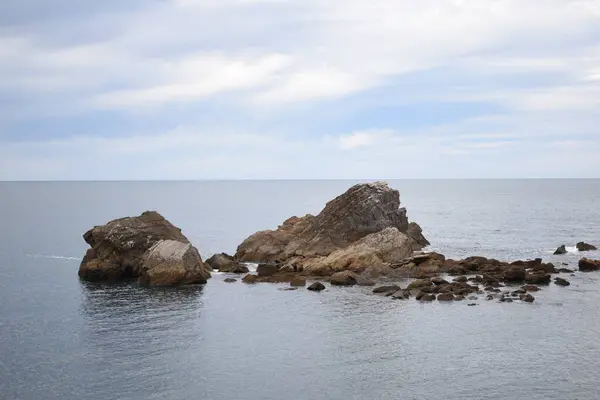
(299, 89)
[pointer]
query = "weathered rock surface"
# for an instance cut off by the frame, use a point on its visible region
(582, 246)
(147, 247)
(586, 265)
(561, 250)
(364, 227)
(226, 263)
(344, 278)
(386, 289)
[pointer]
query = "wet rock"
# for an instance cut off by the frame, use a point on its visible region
(226, 263)
(298, 281)
(565, 271)
(138, 248)
(472, 304)
(538, 278)
(266, 270)
(445, 297)
(386, 289)
(460, 279)
(316, 287)
(561, 250)
(427, 297)
(286, 289)
(515, 274)
(473, 298)
(250, 278)
(419, 284)
(229, 280)
(561, 282)
(527, 298)
(439, 281)
(582, 246)
(344, 278)
(587, 265)
(401, 295)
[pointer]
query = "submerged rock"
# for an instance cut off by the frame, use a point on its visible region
(561, 250)
(147, 247)
(364, 227)
(582, 246)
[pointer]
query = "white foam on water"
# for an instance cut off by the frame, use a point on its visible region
(572, 249)
(51, 256)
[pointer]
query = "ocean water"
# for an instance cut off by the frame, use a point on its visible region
(64, 339)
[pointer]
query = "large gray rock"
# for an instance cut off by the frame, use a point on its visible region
(118, 248)
(364, 210)
(170, 262)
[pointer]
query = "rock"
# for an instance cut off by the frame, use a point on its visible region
(527, 298)
(565, 271)
(266, 270)
(587, 265)
(530, 288)
(460, 279)
(415, 232)
(427, 297)
(401, 295)
(344, 278)
(170, 262)
(118, 250)
(582, 246)
(286, 289)
(561, 250)
(538, 278)
(344, 224)
(362, 281)
(561, 282)
(386, 289)
(472, 304)
(298, 281)
(316, 287)
(515, 274)
(445, 297)
(439, 281)
(250, 278)
(419, 283)
(226, 263)
(229, 280)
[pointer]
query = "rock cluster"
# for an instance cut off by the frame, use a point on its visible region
(147, 248)
(364, 228)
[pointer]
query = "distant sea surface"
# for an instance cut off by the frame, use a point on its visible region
(64, 339)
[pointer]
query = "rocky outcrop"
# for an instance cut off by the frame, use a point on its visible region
(582, 246)
(226, 263)
(587, 265)
(316, 287)
(364, 227)
(561, 250)
(147, 247)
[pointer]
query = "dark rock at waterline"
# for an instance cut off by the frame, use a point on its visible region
(561, 250)
(316, 287)
(515, 274)
(147, 247)
(266, 269)
(561, 282)
(530, 288)
(401, 295)
(419, 283)
(344, 278)
(445, 297)
(386, 289)
(527, 298)
(250, 278)
(427, 297)
(565, 271)
(538, 278)
(439, 281)
(587, 265)
(229, 280)
(582, 246)
(226, 263)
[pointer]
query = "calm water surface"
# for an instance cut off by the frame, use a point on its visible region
(63, 339)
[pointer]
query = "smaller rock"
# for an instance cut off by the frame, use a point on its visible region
(285, 289)
(439, 281)
(527, 298)
(515, 274)
(538, 278)
(250, 278)
(587, 265)
(561, 282)
(316, 287)
(565, 271)
(472, 304)
(419, 283)
(582, 246)
(427, 297)
(298, 281)
(446, 297)
(401, 295)
(230, 280)
(266, 269)
(530, 288)
(460, 279)
(344, 278)
(386, 289)
(561, 250)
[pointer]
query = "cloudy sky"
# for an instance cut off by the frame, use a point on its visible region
(226, 89)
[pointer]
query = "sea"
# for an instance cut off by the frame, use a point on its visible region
(65, 339)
